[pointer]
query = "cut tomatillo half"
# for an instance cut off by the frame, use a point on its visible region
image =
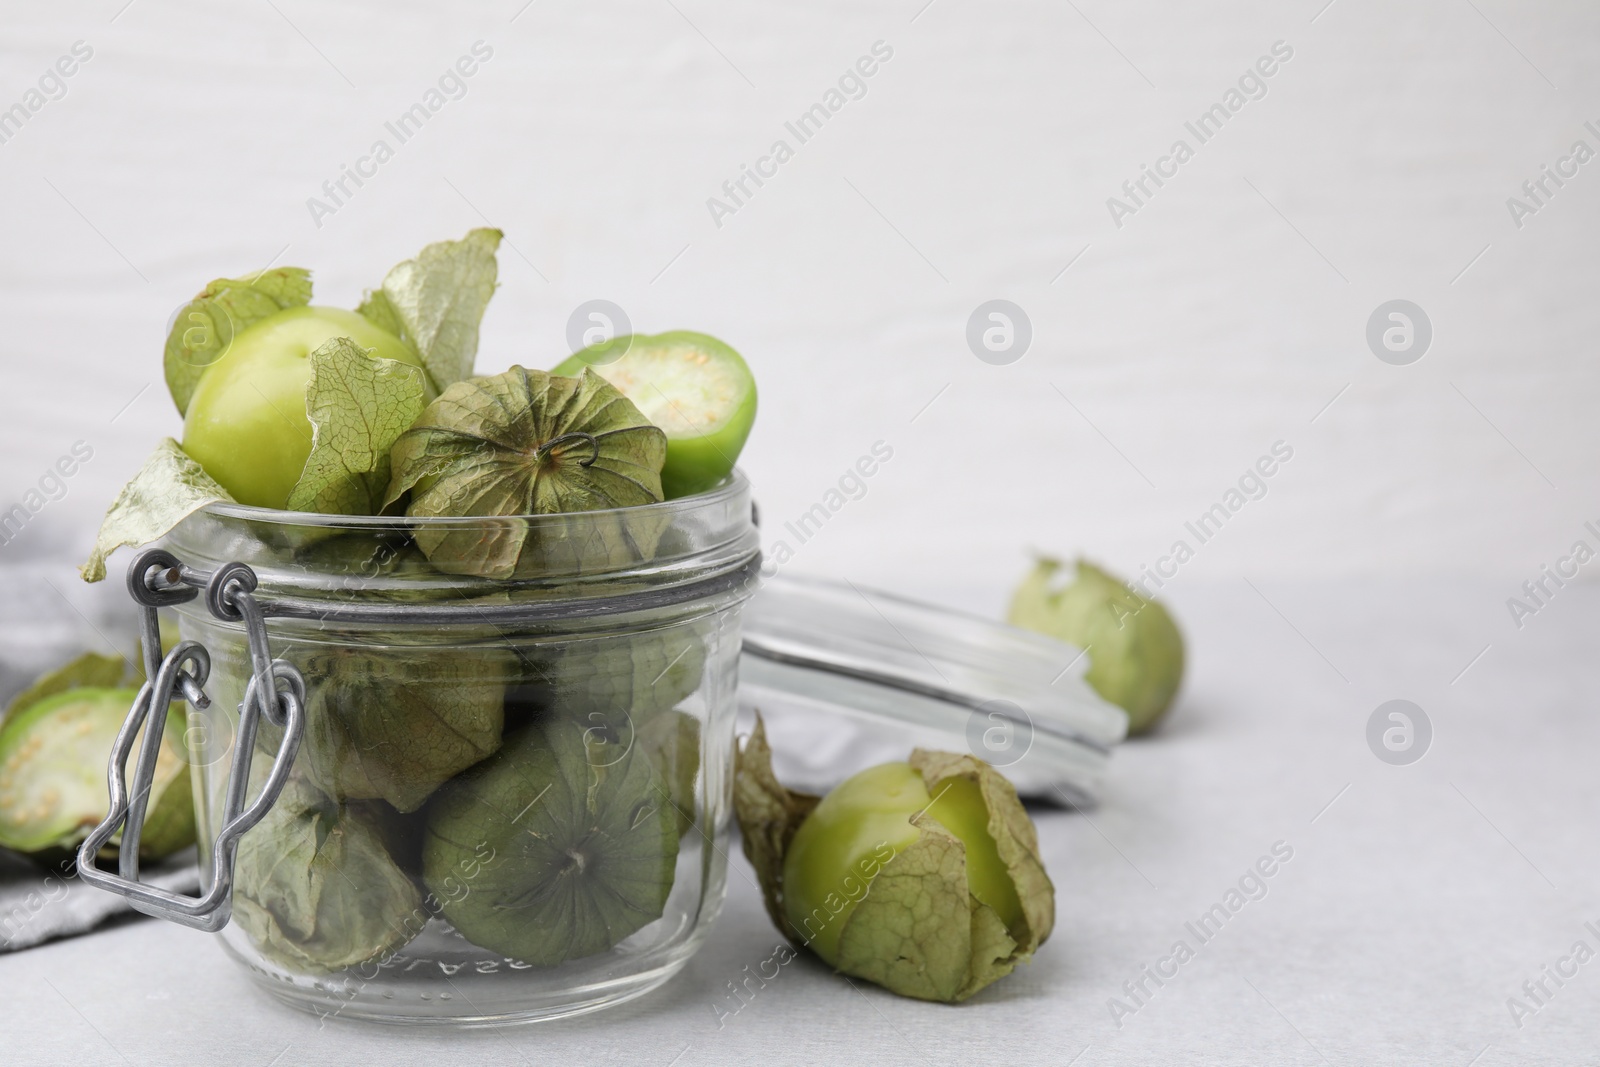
(696, 389)
(53, 756)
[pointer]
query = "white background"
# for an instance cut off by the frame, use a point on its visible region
(1224, 316)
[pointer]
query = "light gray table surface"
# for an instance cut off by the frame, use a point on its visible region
(1418, 899)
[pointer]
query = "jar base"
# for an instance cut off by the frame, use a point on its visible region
(458, 1009)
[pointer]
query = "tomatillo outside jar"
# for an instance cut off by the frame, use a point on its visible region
(426, 794)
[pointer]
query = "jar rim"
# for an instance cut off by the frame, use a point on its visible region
(717, 496)
(576, 555)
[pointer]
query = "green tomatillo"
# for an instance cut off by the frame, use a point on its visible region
(291, 406)
(315, 887)
(1135, 650)
(578, 845)
(520, 443)
(53, 755)
(246, 422)
(922, 876)
(695, 387)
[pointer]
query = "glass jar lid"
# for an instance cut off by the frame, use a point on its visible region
(846, 677)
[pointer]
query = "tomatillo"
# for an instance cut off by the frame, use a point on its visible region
(53, 754)
(1135, 649)
(696, 388)
(868, 818)
(246, 423)
(922, 876)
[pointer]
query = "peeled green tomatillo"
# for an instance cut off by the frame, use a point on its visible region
(1135, 650)
(246, 423)
(697, 389)
(922, 876)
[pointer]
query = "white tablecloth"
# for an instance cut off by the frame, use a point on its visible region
(1418, 898)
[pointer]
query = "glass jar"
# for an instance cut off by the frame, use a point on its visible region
(480, 770)
(511, 793)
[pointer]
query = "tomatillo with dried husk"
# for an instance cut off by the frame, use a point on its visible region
(923, 877)
(315, 886)
(577, 844)
(521, 443)
(1135, 650)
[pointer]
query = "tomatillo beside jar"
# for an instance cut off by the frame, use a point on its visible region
(869, 817)
(922, 876)
(1135, 650)
(52, 774)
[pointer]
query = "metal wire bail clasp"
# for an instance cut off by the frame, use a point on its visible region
(276, 691)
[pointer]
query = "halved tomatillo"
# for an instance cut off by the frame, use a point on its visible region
(696, 388)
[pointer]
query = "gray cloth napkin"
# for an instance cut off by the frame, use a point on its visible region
(39, 904)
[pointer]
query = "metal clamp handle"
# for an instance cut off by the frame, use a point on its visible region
(276, 692)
